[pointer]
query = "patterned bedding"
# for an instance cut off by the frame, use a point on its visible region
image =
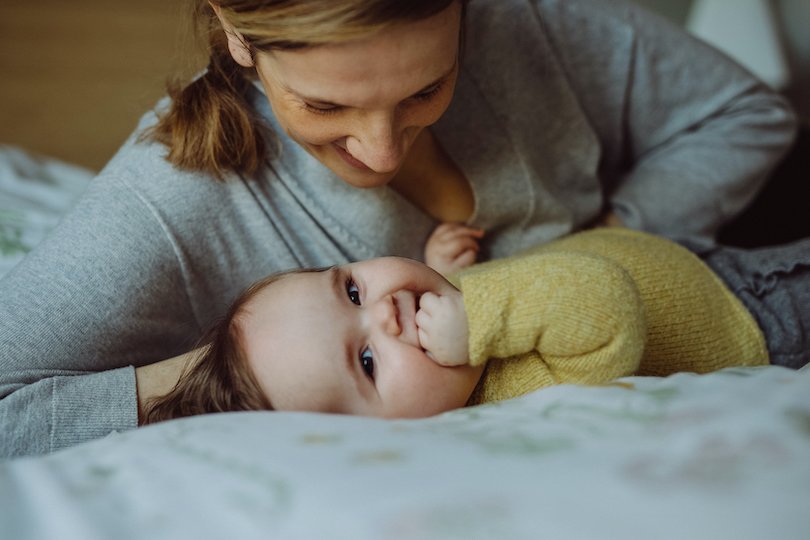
(723, 455)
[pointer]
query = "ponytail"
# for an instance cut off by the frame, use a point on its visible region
(210, 126)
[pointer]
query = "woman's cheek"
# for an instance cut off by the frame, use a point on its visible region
(317, 131)
(302, 125)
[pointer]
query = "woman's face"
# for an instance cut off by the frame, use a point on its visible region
(358, 106)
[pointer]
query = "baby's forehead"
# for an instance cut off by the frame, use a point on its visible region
(289, 317)
(290, 279)
(283, 292)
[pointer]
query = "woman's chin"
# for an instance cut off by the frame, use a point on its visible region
(363, 180)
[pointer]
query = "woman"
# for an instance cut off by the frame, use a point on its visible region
(527, 119)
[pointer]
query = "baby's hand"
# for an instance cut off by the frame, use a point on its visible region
(452, 247)
(442, 328)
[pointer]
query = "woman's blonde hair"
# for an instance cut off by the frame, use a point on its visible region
(211, 127)
(220, 379)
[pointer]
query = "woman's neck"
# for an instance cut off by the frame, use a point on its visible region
(430, 180)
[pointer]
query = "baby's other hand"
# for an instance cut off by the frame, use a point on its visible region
(452, 247)
(442, 328)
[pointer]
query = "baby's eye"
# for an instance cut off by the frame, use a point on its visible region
(353, 292)
(367, 361)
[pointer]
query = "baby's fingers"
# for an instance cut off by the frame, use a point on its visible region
(446, 232)
(466, 259)
(464, 243)
(428, 346)
(429, 301)
(424, 340)
(463, 233)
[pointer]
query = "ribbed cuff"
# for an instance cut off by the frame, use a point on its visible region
(88, 407)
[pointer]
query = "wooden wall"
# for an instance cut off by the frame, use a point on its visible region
(75, 75)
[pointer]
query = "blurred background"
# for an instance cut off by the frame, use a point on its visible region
(76, 76)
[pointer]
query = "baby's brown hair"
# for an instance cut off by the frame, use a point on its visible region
(219, 379)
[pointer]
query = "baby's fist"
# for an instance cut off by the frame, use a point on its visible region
(442, 328)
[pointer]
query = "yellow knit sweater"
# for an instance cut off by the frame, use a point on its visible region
(599, 305)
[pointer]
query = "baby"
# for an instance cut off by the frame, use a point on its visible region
(393, 338)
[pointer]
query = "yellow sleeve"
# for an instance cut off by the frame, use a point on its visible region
(563, 317)
(694, 322)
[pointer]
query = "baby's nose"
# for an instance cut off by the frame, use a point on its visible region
(384, 314)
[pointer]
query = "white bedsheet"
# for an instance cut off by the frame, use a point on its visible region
(723, 455)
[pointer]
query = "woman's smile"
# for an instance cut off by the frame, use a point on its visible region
(350, 159)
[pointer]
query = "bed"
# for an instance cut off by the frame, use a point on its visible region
(35, 192)
(722, 455)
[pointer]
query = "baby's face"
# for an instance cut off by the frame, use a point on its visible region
(345, 341)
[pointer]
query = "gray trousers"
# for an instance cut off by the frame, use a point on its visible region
(774, 284)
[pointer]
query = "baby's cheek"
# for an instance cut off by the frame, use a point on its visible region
(452, 386)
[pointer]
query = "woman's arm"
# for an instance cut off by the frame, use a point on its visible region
(102, 293)
(158, 379)
(688, 136)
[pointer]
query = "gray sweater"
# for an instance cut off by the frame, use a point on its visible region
(559, 105)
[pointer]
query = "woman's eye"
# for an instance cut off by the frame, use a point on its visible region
(427, 96)
(321, 110)
(367, 361)
(353, 292)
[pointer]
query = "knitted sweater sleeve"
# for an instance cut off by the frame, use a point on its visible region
(76, 314)
(694, 322)
(688, 136)
(549, 319)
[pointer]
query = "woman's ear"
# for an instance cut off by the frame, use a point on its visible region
(237, 45)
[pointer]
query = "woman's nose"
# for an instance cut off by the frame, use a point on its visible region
(379, 144)
(384, 316)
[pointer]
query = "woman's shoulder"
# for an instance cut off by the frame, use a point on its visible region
(558, 47)
(141, 165)
(553, 15)
(572, 27)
